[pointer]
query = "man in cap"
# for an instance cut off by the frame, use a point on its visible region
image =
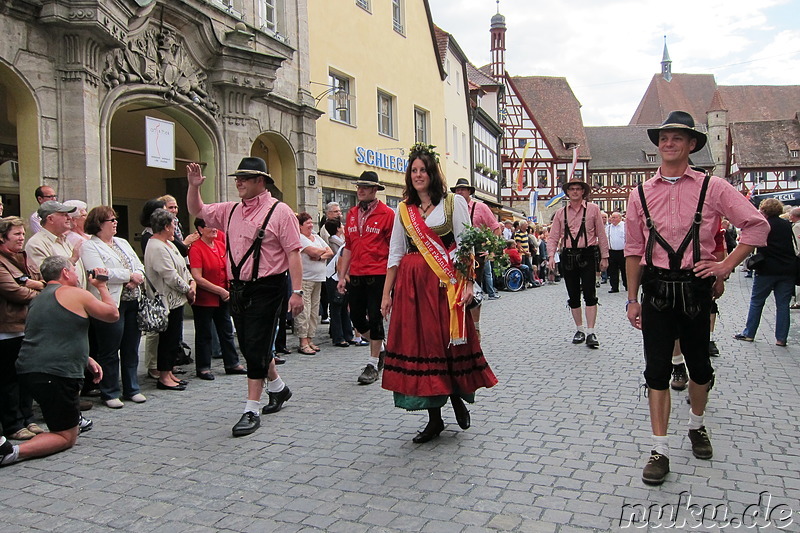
(362, 267)
(52, 238)
(480, 215)
(45, 193)
(580, 229)
(672, 221)
(263, 246)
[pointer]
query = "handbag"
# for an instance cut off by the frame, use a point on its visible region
(755, 262)
(153, 314)
(477, 296)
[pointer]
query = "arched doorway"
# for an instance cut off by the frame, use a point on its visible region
(20, 148)
(281, 164)
(133, 182)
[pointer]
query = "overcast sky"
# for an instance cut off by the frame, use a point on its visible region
(609, 49)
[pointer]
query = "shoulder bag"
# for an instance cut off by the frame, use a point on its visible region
(153, 314)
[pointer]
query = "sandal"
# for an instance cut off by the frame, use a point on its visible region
(341, 344)
(306, 350)
(314, 347)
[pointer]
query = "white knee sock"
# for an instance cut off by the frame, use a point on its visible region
(695, 421)
(275, 386)
(252, 406)
(661, 445)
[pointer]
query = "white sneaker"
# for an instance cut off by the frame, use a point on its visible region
(138, 398)
(114, 403)
(84, 424)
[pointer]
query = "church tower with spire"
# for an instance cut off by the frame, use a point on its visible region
(666, 63)
(498, 33)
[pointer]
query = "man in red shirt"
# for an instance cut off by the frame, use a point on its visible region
(672, 221)
(362, 267)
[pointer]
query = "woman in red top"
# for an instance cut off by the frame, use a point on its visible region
(207, 262)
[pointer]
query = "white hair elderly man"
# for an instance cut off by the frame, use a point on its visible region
(332, 211)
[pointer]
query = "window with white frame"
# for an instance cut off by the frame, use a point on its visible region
(794, 153)
(267, 15)
(385, 114)
(464, 152)
(420, 125)
(365, 5)
(455, 144)
(340, 99)
(398, 17)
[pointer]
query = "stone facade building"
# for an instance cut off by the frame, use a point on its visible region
(92, 93)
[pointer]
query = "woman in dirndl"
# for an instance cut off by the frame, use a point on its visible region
(432, 352)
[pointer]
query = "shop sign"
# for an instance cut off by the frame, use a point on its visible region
(374, 158)
(160, 136)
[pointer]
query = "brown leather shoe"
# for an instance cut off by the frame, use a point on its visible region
(656, 469)
(86, 405)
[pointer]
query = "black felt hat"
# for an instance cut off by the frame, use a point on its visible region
(679, 120)
(252, 167)
(369, 178)
(463, 183)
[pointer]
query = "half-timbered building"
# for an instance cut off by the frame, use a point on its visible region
(543, 130)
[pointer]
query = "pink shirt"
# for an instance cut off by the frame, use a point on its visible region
(281, 236)
(481, 215)
(672, 208)
(595, 229)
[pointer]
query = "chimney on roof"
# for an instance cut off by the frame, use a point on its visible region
(498, 33)
(666, 63)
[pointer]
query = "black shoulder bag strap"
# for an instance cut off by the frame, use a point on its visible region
(472, 214)
(254, 250)
(692, 236)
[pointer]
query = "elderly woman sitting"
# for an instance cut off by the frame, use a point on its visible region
(168, 274)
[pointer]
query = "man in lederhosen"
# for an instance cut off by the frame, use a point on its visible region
(580, 229)
(672, 220)
(263, 246)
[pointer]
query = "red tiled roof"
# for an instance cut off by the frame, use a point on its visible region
(766, 143)
(442, 41)
(476, 76)
(557, 111)
(747, 103)
(686, 92)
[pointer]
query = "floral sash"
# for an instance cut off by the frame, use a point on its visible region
(433, 250)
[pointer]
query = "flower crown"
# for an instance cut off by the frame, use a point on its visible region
(422, 148)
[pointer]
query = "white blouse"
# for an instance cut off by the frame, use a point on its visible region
(398, 246)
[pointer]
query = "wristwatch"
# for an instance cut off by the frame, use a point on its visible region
(300, 292)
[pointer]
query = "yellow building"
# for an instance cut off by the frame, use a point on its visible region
(376, 73)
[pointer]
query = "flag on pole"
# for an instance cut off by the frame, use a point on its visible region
(555, 199)
(521, 175)
(574, 161)
(533, 201)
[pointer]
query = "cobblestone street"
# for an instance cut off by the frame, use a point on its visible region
(557, 446)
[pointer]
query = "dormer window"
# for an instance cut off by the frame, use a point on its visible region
(651, 158)
(794, 153)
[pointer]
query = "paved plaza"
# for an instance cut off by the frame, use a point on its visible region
(557, 446)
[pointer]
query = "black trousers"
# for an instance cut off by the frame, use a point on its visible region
(365, 294)
(256, 307)
(676, 311)
(579, 270)
(616, 266)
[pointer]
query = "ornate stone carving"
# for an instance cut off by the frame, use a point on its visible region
(159, 57)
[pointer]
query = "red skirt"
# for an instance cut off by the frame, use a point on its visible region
(419, 360)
